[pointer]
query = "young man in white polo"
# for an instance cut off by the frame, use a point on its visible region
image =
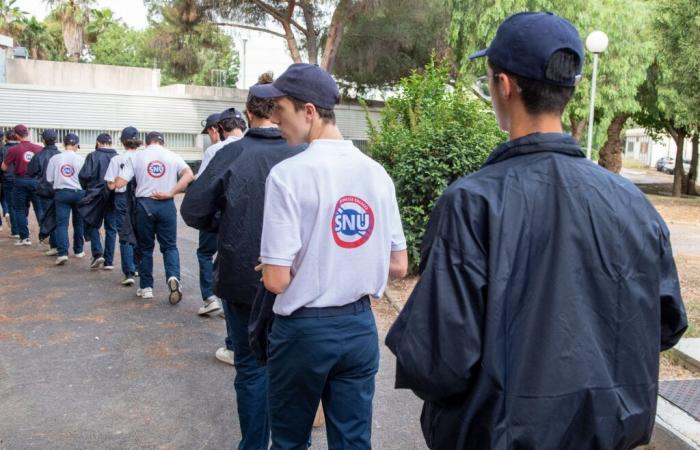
(331, 238)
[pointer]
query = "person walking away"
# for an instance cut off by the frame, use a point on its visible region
(547, 286)
(91, 176)
(62, 172)
(8, 182)
(24, 191)
(130, 142)
(331, 237)
(160, 174)
(37, 170)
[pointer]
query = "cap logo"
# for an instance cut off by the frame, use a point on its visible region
(353, 222)
(155, 169)
(67, 170)
(28, 156)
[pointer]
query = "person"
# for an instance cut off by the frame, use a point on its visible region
(331, 237)
(91, 176)
(130, 141)
(230, 127)
(24, 191)
(211, 128)
(8, 182)
(160, 174)
(234, 187)
(62, 172)
(547, 285)
(37, 170)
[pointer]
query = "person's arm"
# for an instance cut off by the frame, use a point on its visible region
(50, 169)
(87, 172)
(204, 197)
(437, 338)
(398, 262)
(186, 177)
(126, 174)
(34, 167)
(674, 320)
(9, 160)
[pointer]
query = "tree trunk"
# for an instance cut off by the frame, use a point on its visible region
(679, 136)
(691, 188)
(292, 43)
(310, 34)
(610, 155)
(577, 127)
(335, 36)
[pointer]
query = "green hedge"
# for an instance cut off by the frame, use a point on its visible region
(429, 135)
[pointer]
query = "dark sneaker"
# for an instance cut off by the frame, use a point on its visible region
(97, 262)
(175, 293)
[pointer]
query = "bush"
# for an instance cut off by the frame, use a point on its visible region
(429, 135)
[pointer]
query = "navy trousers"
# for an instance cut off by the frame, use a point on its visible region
(45, 205)
(205, 256)
(110, 227)
(24, 193)
(157, 219)
(67, 204)
(126, 250)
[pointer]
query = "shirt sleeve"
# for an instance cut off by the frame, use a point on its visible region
(50, 169)
(398, 239)
(11, 157)
(281, 235)
(206, 159)
(179, 164)
(111, 172)
(127, 170)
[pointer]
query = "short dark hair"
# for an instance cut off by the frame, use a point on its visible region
(261, 107)
(540, 97)
(132, 143)
(11, 135)
(327, 115)
(233, 123)
(156, 139)
(50, 141)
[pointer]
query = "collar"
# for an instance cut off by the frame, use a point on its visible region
(536, 143)
(264, 133)
(335, 144)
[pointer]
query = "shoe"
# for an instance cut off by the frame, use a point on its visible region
(108, 267)
(61, 260)
(136, 274)
(79, 255)
(22, 242)
(221, 313)
(0, 227)
(97, 262)
(7, 216)
(144, 293)
(51, 252)
(211, 304)
(224, 355)
(175, 292)
(128, 281)
(14, 236)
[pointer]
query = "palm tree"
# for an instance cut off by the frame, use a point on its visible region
(100, 21)
(11, 18)
(36, 37)
(74, 15)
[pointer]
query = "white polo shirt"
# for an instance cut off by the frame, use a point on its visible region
(212, 150)
(63, 168)
(331, 215)
(156, 169)
(114, 168)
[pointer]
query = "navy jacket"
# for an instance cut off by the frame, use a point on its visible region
(547, 290)
(8, 175)
(93, 172)
(37, 166)
(234, 186)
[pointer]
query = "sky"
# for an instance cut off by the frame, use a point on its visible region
(263, 51)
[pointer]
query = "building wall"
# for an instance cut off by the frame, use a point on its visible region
(641, 147)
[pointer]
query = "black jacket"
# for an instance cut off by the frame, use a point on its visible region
(37, 166)
(234, 184)
(547, 290)
(9, 174)
(93, 206)
(93, 172)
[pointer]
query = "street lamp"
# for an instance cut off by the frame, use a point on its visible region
(596, 43)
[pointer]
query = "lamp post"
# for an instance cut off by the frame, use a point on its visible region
(245, 64)
(596, 43)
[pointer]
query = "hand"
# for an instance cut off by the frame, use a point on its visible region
(259, 268)
(162, 195)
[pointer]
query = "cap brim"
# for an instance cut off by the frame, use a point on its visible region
(479, 54)
(265, 91)
(204, 131)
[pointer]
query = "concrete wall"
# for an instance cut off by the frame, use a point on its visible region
(81, 76)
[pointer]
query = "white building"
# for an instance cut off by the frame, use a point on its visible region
(641, 147)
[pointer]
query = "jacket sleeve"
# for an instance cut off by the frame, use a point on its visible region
(34, 167)
(437, 338)
(202, 200)
(87, 172)
(674, 320)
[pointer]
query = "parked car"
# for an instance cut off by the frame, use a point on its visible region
(662, 162)
(669, 167)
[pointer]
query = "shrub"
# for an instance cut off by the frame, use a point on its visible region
(429, 135)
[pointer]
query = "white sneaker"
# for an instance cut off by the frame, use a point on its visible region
(51, 252)
(224, 355)
(14, 236)
(211, 304)
(108, 267)
(79, 255)
(61, 260)
(175, 292)
(97, 262)
(22, 242)
(144, 293)
(7, 216)
(128, 280)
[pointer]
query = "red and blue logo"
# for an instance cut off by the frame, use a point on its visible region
(28, 156)
(155, 169)
(353, 222)
(67, 170)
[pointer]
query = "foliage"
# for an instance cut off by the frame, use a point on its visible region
(429, 135)
(119, 45)
(74, 16)
(11, 17)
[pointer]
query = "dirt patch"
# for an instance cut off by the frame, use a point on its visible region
(91, 318)
(686, 209)
(162, 351)
(66, 337)
(19, 338)
(33, 318)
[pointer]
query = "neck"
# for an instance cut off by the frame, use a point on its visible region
(259, 122)
(325, 131)
(234, 133)
(544, 123)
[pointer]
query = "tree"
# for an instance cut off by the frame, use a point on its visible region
(74, 16)
(385, 44)
(119, 45)
(37, 38)
(11, 18)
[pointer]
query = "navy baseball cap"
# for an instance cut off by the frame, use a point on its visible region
(104, 138)
(525, 42)
(71, 139)
(155, 136)
(129, 133)
(306, 82)
(210, 121)
(231, 113)
(48, 135)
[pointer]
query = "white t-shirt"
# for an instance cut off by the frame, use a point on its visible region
(212, 150)
(155, 168)
(63, 168)
(331, 215)
(115, 165)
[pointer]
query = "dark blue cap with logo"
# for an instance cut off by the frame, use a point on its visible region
(306, 82)
(104, 138)
(49, 135)
(231, 113)
(211, 121)
(71, 139)
(129, 133)
(525, 42)
(155, 136)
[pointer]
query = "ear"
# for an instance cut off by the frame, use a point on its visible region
(309, 112)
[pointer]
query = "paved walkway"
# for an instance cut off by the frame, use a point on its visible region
(84, 364)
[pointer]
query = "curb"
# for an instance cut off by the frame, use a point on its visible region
(394, 304)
